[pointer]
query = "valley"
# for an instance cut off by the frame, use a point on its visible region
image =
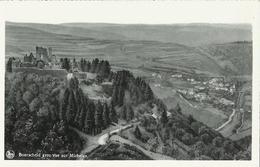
(133, 97)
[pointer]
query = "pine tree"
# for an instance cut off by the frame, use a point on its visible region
(164, 118)
(114, 99)
(64, 104)
(80, 103)
(94, 65)
(90, 117)
(129, 113)
(148, 93)
(105, 116)
(9, 65)
(113, 115)
(81, 64)
(121, 95)
(137, 133)
(65, 64)
(99, 67)
(178, 108)
(98, 117)
(71, 108)
(82, 116)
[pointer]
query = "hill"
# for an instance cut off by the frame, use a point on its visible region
(149, 51)
(186, 34)
(235, 57)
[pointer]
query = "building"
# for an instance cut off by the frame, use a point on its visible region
(41, 53)
(29, 59)
(44, 58)
(45, 54)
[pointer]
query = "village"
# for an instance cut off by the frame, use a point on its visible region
(218, 92)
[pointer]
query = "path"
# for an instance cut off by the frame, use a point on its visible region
(152, 155)
(230, 118)
(242, 123)
(92, 142)
(227, 129)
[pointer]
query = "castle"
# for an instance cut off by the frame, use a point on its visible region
(43, 57)
(45, 54)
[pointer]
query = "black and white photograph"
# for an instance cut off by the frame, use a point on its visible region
(103, 84)
(128, 92)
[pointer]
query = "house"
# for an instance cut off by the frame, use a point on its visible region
(226, 102)
(29, 59)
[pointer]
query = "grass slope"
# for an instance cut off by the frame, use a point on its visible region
(80, 42)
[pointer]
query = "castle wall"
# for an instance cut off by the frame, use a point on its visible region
(59, 73)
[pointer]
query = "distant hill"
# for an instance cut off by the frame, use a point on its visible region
(136, 46)
(186, 34)
(234, 57)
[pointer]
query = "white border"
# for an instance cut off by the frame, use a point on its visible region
(137, 12)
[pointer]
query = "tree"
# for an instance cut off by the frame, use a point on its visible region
(187, 138)
(94, 65)
(121, 94)
(228, 145)
(43, 112)
(66, 64)
(28, 97)
(82, 116)
(71, 108)
(137, 133)
(178, 108)
(64, 104)
(205, 138)
(105, 116)
(35, 104)
(148, 93)
(165, 134)
(114, 95)
(9, 65)
(129, 112)
(195, 126)
(89, 124)
(98, 117)
(179, 133)
(191, 119)
(203, 129)
(113, 115)
(217, 141)
(164, 118)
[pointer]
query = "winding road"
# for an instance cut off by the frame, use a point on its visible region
(152, 155)
(227, 128)
(92, 142)
(230, 118)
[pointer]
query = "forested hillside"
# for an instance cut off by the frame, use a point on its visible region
(44, 109)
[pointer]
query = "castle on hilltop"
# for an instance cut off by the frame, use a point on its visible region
(45, 54)
(43, 58)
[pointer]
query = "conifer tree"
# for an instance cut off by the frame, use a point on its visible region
(9, 65)
(105, 116)
(71, 108)
(164, 118)
(129, 113)
(98, 117)
(113, 115)
(137, 133)
(90, 117)
(114, 95)
(64, 104)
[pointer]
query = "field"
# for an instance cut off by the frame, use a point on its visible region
(150, 54)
